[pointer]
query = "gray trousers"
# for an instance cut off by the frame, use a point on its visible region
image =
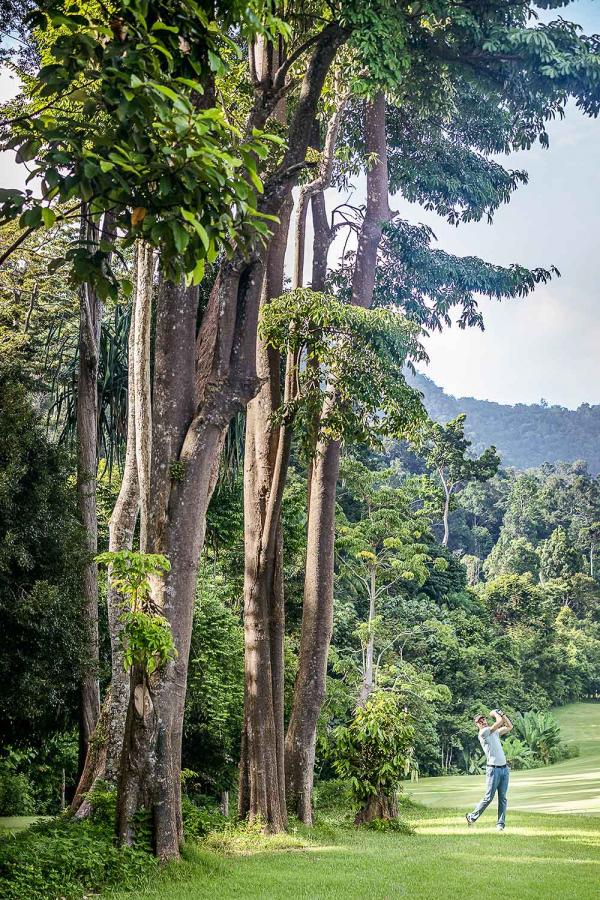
(496, 780)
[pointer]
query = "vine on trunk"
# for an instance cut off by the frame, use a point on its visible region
(146, 637)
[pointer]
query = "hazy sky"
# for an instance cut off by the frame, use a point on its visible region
(547, 345)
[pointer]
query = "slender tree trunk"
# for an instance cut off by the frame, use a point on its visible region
(323, 238)
(262, 782)
(317, 624)
(262, 779)
(317, 614)
(380, 806)
(368, 674)
(446, 536)
(104, 753)
(141, 381)
(90, 318)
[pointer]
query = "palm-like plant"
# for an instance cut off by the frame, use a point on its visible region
(62, 363)
(470, 762)
(540, 731)
(518, 754)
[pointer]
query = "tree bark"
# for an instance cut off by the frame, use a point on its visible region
(381, 806)
(308, 192)
(317, 614)
(141, 381)
(90, 318)
(377, 211)
(323, 237)
(322, 240)
(266, 458)
(317, 624)
(198, 387)
(103, 756)
(368, 674)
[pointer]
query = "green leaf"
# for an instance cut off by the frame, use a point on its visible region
(181, 237)
(199, 227)
(48, 217)
(165, 90)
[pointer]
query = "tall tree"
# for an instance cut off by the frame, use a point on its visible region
(317, 609)
(446, 451)
(267, 454)
(90, 319)
(380, 548)
(191, 410)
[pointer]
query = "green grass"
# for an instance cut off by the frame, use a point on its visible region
(572, 786)
(540, 854)
(17, 823)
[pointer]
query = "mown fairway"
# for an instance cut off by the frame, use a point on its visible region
(539, 855)
(569, 787)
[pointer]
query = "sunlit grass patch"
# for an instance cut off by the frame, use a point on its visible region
(251, 838)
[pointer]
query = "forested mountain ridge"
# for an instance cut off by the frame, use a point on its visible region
(526, 435)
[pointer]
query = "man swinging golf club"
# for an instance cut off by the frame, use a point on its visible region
(497, 771)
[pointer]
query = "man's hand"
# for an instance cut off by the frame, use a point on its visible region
(502, 723)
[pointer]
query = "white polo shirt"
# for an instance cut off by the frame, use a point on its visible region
(492, 747)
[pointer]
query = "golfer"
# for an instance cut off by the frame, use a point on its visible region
(497, 772)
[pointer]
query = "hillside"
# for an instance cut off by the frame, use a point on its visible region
(525, 435)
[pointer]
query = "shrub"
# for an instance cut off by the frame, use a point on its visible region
(198, 821)
(563, 751)
(398, 826)
(64, 859)
(540, 732)
(372, 752)
(16, 794)
(16, 798)
(332, 795)
(31, 778)
(518, 754)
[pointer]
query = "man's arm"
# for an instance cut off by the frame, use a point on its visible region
(507, 726)
(502, 724)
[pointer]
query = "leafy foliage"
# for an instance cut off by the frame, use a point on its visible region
(215, 696)
(356, 353)
(372, 750)
(66, 859)
(446, 451)
(540, 731)
(146, 635)
(118, 119)
(41, 548)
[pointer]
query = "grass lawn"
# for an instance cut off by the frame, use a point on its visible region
(542, 853)
(572, 786)
(540, 856)
(17, 823)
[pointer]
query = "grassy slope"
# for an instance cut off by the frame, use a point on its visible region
(538, 856)
(569, 787)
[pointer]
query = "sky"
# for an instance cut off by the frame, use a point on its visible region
(548, 344)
